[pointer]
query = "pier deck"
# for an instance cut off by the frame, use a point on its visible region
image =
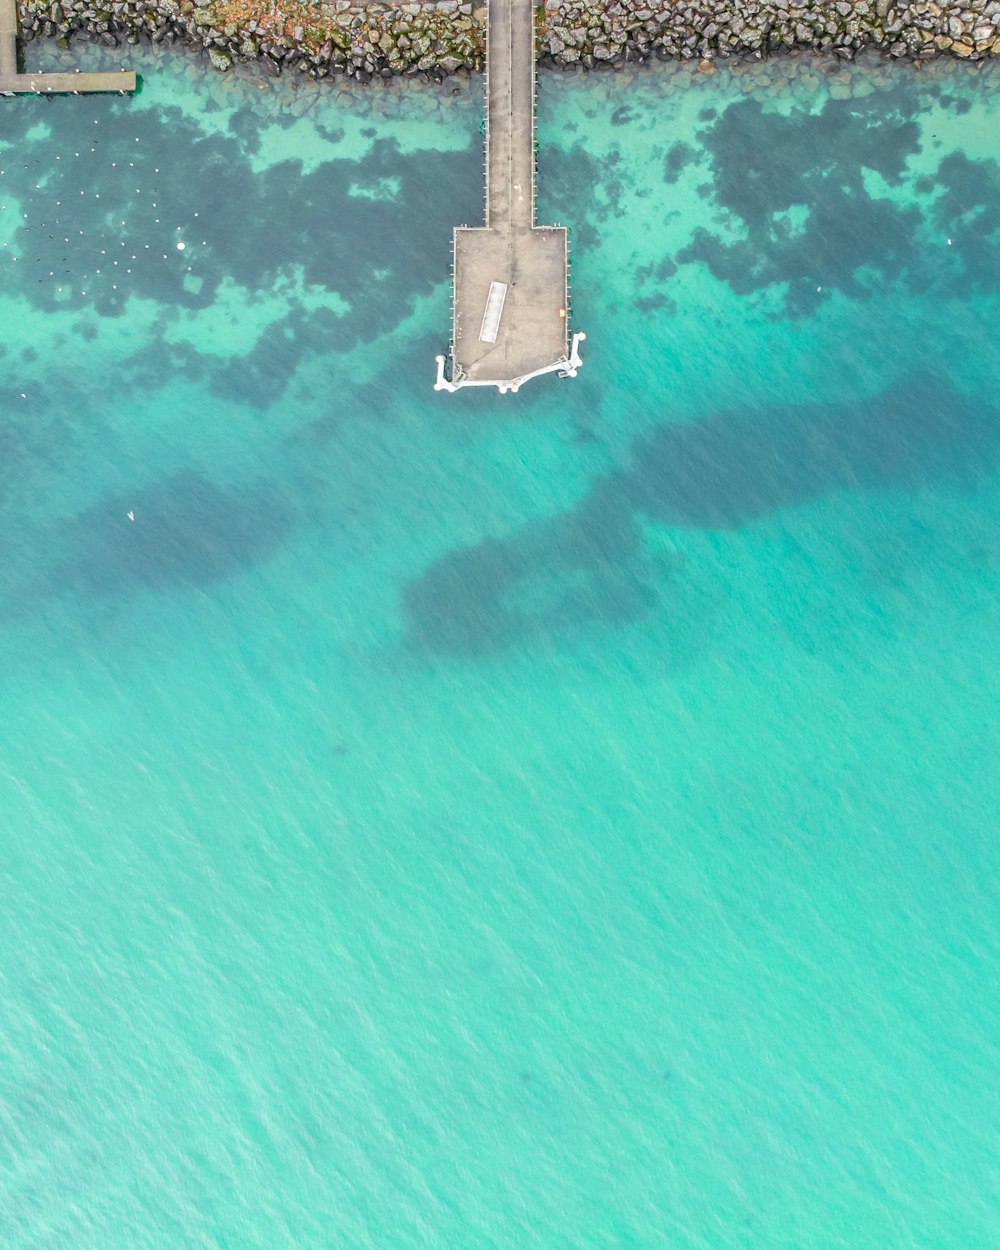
(12, 82)
(510, 251)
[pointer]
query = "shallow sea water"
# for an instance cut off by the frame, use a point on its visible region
(554, 820)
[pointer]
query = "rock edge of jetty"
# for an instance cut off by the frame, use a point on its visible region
(364, 41)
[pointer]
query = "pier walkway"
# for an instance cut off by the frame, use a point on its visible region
(510, 299)
(12, 82)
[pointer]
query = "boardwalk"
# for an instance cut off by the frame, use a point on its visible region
(510, 264)
(11, 82)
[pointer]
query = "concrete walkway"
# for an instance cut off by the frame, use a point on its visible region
(511, 251)
(510, 115)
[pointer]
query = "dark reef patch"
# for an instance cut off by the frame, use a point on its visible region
(188, 531)
(384, 397)
(554, 573)
(259, 378)
(34, 430)
(676, 161)
(722, 473)
(967, 209)
(652, 303)
(244, 124)
(578, 189)
(377, 255)
(11, 449)
(725, 472)
(660, 272)
(159, 362)
(763, 162)
(797, 186)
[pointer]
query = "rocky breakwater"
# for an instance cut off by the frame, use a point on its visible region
(436, 39)
(579, 32)
(319, 40)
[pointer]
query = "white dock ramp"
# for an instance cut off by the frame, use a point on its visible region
(494, 311)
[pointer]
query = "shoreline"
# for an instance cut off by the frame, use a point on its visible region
(433, 40)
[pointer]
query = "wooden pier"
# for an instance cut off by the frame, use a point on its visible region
(14, 83)
(510, 297)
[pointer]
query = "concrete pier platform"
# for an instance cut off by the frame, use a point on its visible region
(531, 263)
(14, 83)
(510, 264)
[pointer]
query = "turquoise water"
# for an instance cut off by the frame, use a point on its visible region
(562, 820)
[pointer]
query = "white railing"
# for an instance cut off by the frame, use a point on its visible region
(566, 368)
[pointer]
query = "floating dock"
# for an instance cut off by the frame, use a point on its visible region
(14, 83)
(510, 295)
